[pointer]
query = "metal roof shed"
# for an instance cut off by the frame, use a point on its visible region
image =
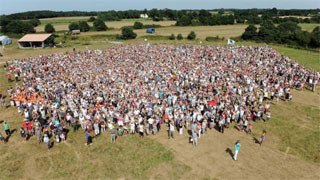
(33, 40)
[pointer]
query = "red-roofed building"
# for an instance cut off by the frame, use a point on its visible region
(34, 40)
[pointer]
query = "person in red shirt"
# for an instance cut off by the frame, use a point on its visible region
(30, 129)
(9, 77)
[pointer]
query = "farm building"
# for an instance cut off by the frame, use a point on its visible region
(144, 16)
(151, 30)
(5, 40)
(34, 40)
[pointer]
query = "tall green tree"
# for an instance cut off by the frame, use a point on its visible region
(303, 38)
(127, 33)
(20, 27)
(192, 35)
(35, 22)
(49, 28)
(315, 37)
(99, 25)
(84, 26)
(267, 32)
(179, 37)
(91, 19)
(250, 33)
(73, 26)
(184, 21)
(137, 25)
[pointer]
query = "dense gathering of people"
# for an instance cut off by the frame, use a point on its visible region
(132, 89)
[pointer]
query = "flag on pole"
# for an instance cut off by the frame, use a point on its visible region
(230, 41)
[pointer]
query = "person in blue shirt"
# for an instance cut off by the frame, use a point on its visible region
(237, 148)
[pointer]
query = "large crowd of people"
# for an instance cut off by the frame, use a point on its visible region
(131, 89)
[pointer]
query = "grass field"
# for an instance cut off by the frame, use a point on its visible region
(61, 24)
(308, 27)
(307, 58)
(291, 150)
(62, 20)
(159, 158)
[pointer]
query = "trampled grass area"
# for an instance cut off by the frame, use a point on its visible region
(296, 125)
(130, 157)
(293, 124)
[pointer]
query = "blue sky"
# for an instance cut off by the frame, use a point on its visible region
(13, 6)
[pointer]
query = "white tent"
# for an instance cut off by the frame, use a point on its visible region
(5, 40)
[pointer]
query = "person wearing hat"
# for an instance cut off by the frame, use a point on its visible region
(237, 148)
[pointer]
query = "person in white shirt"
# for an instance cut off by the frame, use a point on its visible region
(171, 129)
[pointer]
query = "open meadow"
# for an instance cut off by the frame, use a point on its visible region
(291, 149)
(61, 24)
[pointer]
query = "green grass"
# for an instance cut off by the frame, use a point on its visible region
(293, 125)
(60, 21)
(297, 126)
(130, 157)
(155, 37)
(308, 27)
(308, 58)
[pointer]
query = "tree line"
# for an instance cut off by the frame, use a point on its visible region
(285, 33)
(49, 14)
(18, 26)
(160, 14)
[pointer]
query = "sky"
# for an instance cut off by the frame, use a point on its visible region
(14, 6)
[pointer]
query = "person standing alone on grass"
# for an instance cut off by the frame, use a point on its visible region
(194, 138)
(171, 129)
(113, 132)
(47, 141)
(6, 128)
(88, 138)
(236, 150)
(263, 136)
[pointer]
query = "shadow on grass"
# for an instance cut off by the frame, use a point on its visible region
(236, 127)
(256, 140)
(228, 150)
(8, 137)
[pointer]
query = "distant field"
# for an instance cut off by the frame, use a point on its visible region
(303, 17)
(201, 31)
(63, 20)
(61, 24)
(308, 27)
